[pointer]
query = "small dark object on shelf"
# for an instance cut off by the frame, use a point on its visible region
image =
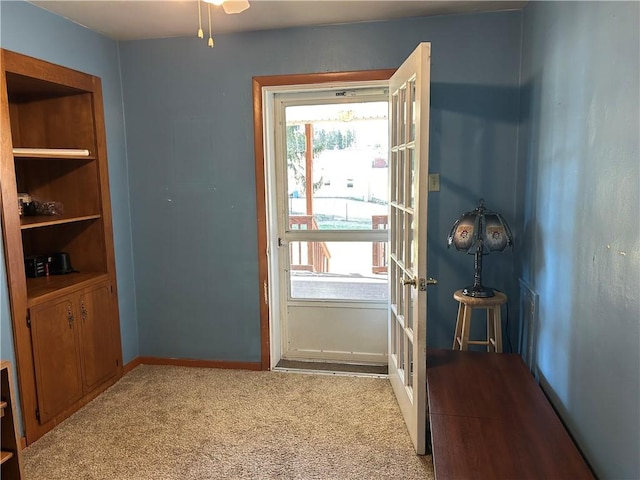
(60, 264)
(24, 200)
(37, 266)
(42, 207)
(44, 265)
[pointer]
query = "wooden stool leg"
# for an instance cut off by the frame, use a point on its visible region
(491, 333)
(457, 335)
(497, 327)
(466, 326)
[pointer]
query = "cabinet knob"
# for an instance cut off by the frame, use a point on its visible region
(70, 316)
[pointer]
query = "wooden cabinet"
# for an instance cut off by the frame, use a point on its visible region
(72, 348)
(95, 336)
(56, 357)
(65, 327)
(10, 456)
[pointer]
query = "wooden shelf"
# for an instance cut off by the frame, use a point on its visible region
(4, 456)
(53, 153)
(41, 289)
(53, 157)
(47, 221)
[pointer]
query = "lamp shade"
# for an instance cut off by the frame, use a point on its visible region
(462, 234)
(495, 233)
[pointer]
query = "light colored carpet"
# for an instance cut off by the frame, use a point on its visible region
(179, 423)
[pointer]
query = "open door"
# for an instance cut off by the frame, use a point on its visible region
(409, 166)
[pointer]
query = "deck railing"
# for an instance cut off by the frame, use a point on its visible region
(315, 257)
(379, 260)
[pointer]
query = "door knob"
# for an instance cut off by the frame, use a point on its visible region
(424, 283)
(411, 281)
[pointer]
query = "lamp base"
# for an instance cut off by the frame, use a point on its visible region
(478, 292)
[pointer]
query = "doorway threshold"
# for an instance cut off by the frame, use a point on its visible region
(332, 368)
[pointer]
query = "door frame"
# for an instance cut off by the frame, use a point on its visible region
(260, 87)
(309, 328)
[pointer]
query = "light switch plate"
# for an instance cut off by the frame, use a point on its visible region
(434, 182)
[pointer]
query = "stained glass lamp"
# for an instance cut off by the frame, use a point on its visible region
(480, 232)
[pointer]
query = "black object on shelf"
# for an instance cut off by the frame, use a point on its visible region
(43, 265)
(37, 266)
(60, 264)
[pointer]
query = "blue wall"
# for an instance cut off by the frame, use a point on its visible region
(580, 161)
(191, 164)
(35, 32)
(556, 151)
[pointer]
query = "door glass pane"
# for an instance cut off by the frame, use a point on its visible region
(336, 271)
(402, 116)
(393, 284)
(402, 292)
(409, 314)
(394, 127)
(337, 214)
(401, 347)
(401, 176)
(412, 110)
(337, 165)
(411, 187)
(394, 334)
(393, 165)
(409, 261)
(397, 131)
(394, 238)
(409, 371)
(400, 236)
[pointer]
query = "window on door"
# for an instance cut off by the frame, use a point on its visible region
(335, 185)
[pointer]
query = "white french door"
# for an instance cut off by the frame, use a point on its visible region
(408, 168)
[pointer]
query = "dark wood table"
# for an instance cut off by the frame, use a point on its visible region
(490, 419)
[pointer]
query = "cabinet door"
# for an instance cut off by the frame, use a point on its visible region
(56, 357)
(96, 336)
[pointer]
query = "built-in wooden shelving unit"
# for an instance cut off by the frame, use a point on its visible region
(66, 328)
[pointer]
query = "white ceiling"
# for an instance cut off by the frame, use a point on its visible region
(141, 19)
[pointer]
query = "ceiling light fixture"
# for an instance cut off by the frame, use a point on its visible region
(229, 7)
